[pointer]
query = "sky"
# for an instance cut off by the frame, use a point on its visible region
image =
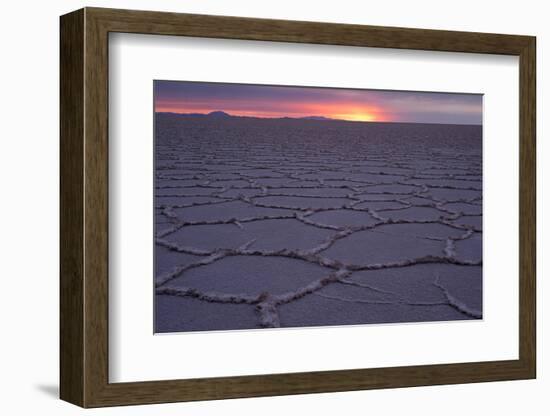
(343, 104)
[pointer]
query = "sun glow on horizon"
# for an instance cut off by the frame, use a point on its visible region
(361, 114)
(338, 111)
(357, 117)
(268, 101)
(366, 117)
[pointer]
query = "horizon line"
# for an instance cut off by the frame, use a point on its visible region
(311, 118)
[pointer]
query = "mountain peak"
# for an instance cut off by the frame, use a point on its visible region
(218, 114)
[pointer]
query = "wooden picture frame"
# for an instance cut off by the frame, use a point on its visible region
(84, 207)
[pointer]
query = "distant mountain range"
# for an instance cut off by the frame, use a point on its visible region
(220, 115)
(223, 114)
(319, 118)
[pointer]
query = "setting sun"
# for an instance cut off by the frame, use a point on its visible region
(270, 101)
(358, 116)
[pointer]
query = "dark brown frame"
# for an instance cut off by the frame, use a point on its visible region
(84, 209)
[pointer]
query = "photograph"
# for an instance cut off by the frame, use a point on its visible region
(305, 206)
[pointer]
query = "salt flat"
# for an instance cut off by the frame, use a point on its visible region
(292, 223)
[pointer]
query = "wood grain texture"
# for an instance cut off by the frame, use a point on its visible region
(96, 209)
(162, 23)
(71, 208)
(84, 207)
(527, 208)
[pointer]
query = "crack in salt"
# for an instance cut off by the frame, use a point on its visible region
(450, 300)
(298, 180)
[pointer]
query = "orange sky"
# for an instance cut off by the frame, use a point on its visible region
(344, 104)
(341, 110)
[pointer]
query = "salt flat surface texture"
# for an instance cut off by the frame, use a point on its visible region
(291, 223)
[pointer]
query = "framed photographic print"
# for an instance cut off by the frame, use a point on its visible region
(257, 207)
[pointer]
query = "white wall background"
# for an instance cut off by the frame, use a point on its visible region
(29, 209)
